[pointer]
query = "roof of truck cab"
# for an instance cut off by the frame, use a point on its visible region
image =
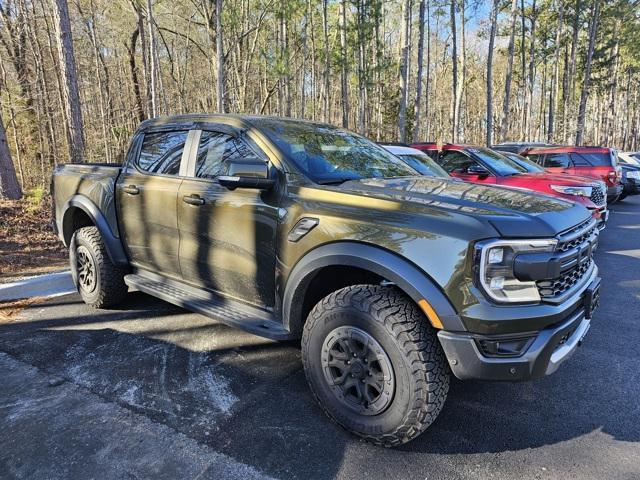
(238, 121)
(567, 149)
(446, 146)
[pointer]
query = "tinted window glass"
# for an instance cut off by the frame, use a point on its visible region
(497, 162)
(456, 162)
(556, 160)
(161, 152)
(328, 154)
(592, 159)
(525, 163)
(536, 158)
(424, 164)
(215, 150)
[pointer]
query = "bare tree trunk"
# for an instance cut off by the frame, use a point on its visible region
(404, 70)
(9, 186)
(492, 39)
(553, 93)
(463, 68)
(133, 69)
(343, 62)
(70, 91)
(504, 125)
(153, 66)
(421, 17)
(220, 93)
(454, 72)
(327, 63)
(427, 90)
(593, 29)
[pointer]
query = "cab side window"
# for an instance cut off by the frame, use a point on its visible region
(456, 162)
(161, 152)
(557, 160)
(215, 150)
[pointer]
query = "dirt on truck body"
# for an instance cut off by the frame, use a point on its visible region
(293, 229)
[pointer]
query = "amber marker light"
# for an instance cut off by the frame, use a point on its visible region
(431, 314)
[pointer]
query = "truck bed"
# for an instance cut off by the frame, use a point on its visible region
(95, 181)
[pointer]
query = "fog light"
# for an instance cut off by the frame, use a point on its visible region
(509, 347)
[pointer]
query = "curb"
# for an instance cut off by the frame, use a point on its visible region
(48, 285)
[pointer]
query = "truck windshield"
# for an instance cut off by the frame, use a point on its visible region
(497, 162)
(328, 154)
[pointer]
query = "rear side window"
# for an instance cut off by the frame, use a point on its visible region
(556, 160)
(215, 150)
(592, 159)
(161, 152)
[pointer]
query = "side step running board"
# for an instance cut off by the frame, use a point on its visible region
(208, 304)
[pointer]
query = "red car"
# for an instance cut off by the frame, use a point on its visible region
(483, 165)
(594, 162)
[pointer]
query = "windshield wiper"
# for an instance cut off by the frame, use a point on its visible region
(335, 181)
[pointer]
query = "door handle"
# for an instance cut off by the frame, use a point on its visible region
(131, 189)
(193, 199)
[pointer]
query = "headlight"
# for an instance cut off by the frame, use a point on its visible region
(634, 174)
(567, 190)
(495, 263)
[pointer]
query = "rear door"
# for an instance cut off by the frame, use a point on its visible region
(557, 162)
(227, 238)
(147, 192)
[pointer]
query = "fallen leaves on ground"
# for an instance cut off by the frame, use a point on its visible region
(28, 245)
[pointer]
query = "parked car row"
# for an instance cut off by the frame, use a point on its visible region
(591, 176)
(393, 275)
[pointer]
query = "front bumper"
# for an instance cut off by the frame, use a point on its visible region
(544, 353)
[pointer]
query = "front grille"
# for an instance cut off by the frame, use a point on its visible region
(598, 195)
(576, 246)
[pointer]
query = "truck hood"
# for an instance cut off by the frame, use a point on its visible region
(513, 213)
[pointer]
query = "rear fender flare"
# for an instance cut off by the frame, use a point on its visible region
(112, 243)
(390, 266)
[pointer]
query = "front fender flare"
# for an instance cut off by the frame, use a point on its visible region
(407, 276)
(112, 243)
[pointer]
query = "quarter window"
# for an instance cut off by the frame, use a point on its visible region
(161, 152)
(215, 150)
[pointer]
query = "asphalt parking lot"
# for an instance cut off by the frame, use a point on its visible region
(151, 391)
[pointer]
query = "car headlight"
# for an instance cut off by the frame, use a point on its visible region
(634, 174)
(568, 190)
(495, 262)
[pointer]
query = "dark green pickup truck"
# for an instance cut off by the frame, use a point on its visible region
(292, 229)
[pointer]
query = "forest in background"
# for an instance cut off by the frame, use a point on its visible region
(77, 76)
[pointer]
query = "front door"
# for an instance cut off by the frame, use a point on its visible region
(461, 165)
(147, 193)
(227, 238)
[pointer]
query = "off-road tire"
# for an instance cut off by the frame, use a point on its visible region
(109, 288)
(410, 342)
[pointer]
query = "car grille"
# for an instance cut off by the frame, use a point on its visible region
(576, 248)
(598, 195)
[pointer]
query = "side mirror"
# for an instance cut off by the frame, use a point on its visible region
(478, 170)
(249, 173)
